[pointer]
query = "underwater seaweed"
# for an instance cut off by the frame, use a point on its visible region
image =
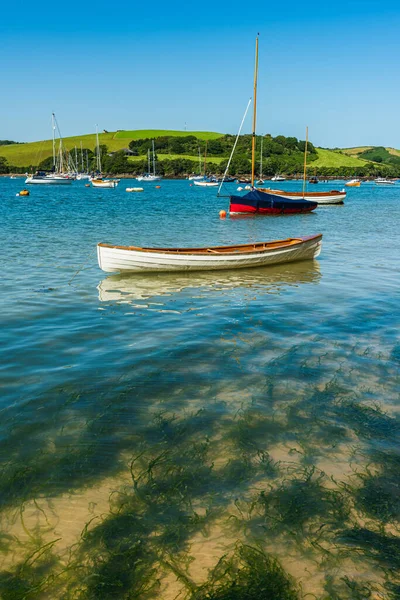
(248, 574)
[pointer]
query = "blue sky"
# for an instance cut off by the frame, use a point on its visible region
(332, 66)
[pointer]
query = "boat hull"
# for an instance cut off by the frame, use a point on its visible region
(48, 181)
(120, 259)
(104, 184)
(149, 178)
(333, 197)
(206, 183)
(264, 203)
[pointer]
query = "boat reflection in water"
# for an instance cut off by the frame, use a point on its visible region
(127, 289)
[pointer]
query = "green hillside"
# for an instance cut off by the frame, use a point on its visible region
(138, 134)
(23, 155)
(160, 156)
(177, 153)
(334, 159)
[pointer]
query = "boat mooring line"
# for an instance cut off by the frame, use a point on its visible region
(82, 267)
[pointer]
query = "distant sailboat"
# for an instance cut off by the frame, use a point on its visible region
(98, 181)
(331, 197)
(54, 177)
(150, 176)
(82, 175)
(198, 177)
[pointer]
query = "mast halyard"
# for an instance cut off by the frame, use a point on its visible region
(199, 162)
(305, 164)
(148, 161)
(98, 150)
(253, 139)
(154, 161)
(261, 157)
(205, 159)
(82, 157)
(54, 141)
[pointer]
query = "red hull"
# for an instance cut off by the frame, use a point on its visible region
(245, 208)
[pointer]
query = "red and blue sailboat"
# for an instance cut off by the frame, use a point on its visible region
(262, 203)
(258, 201)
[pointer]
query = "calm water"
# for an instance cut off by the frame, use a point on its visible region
(151, 425)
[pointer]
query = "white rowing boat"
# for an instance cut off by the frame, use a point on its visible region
(105, 183)
(206, 183)
(130, 259)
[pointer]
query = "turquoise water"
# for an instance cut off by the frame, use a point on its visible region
(154, 424)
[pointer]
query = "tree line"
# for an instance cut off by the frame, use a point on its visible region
(279, 154)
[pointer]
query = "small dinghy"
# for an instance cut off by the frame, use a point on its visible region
(131, 259)
(206, 183)
(263, 203)
(105, 183)
(135, 189)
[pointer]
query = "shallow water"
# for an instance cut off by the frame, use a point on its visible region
(150, 424)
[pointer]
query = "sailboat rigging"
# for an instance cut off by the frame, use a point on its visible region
(260, 201)
(98, 181)
(150, 176)
(56, 176)
(332, 197)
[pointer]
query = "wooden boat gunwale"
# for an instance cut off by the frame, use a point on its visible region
(255, 248)
(300, 194)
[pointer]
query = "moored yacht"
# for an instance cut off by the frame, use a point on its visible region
(45, 178)
(384, 181)
(150, 176)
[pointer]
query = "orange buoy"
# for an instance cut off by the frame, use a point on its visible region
(222, 214)
(158, 187)
(24, 193)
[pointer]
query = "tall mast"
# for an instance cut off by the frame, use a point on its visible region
(253, 140)
(98, 150)
(305, 164)
(87, 162)
(205, 159)
(54, 141)
(61, 166)
(76, 160)
(148, 161)
(82, 157)
(199, 162)
(261, 157)
(154, 161)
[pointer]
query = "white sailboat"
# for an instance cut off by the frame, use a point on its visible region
(53, 178)
(384, 181)
(82, 175)
(150, 176)
(331, 197)
(198, 177)
(98, 181)
(206, 182)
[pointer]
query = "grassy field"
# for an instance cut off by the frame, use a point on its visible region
(33, 153)
(211, 159)
(355, 151)
(329, 158)
(153, 133)
(23, 155)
